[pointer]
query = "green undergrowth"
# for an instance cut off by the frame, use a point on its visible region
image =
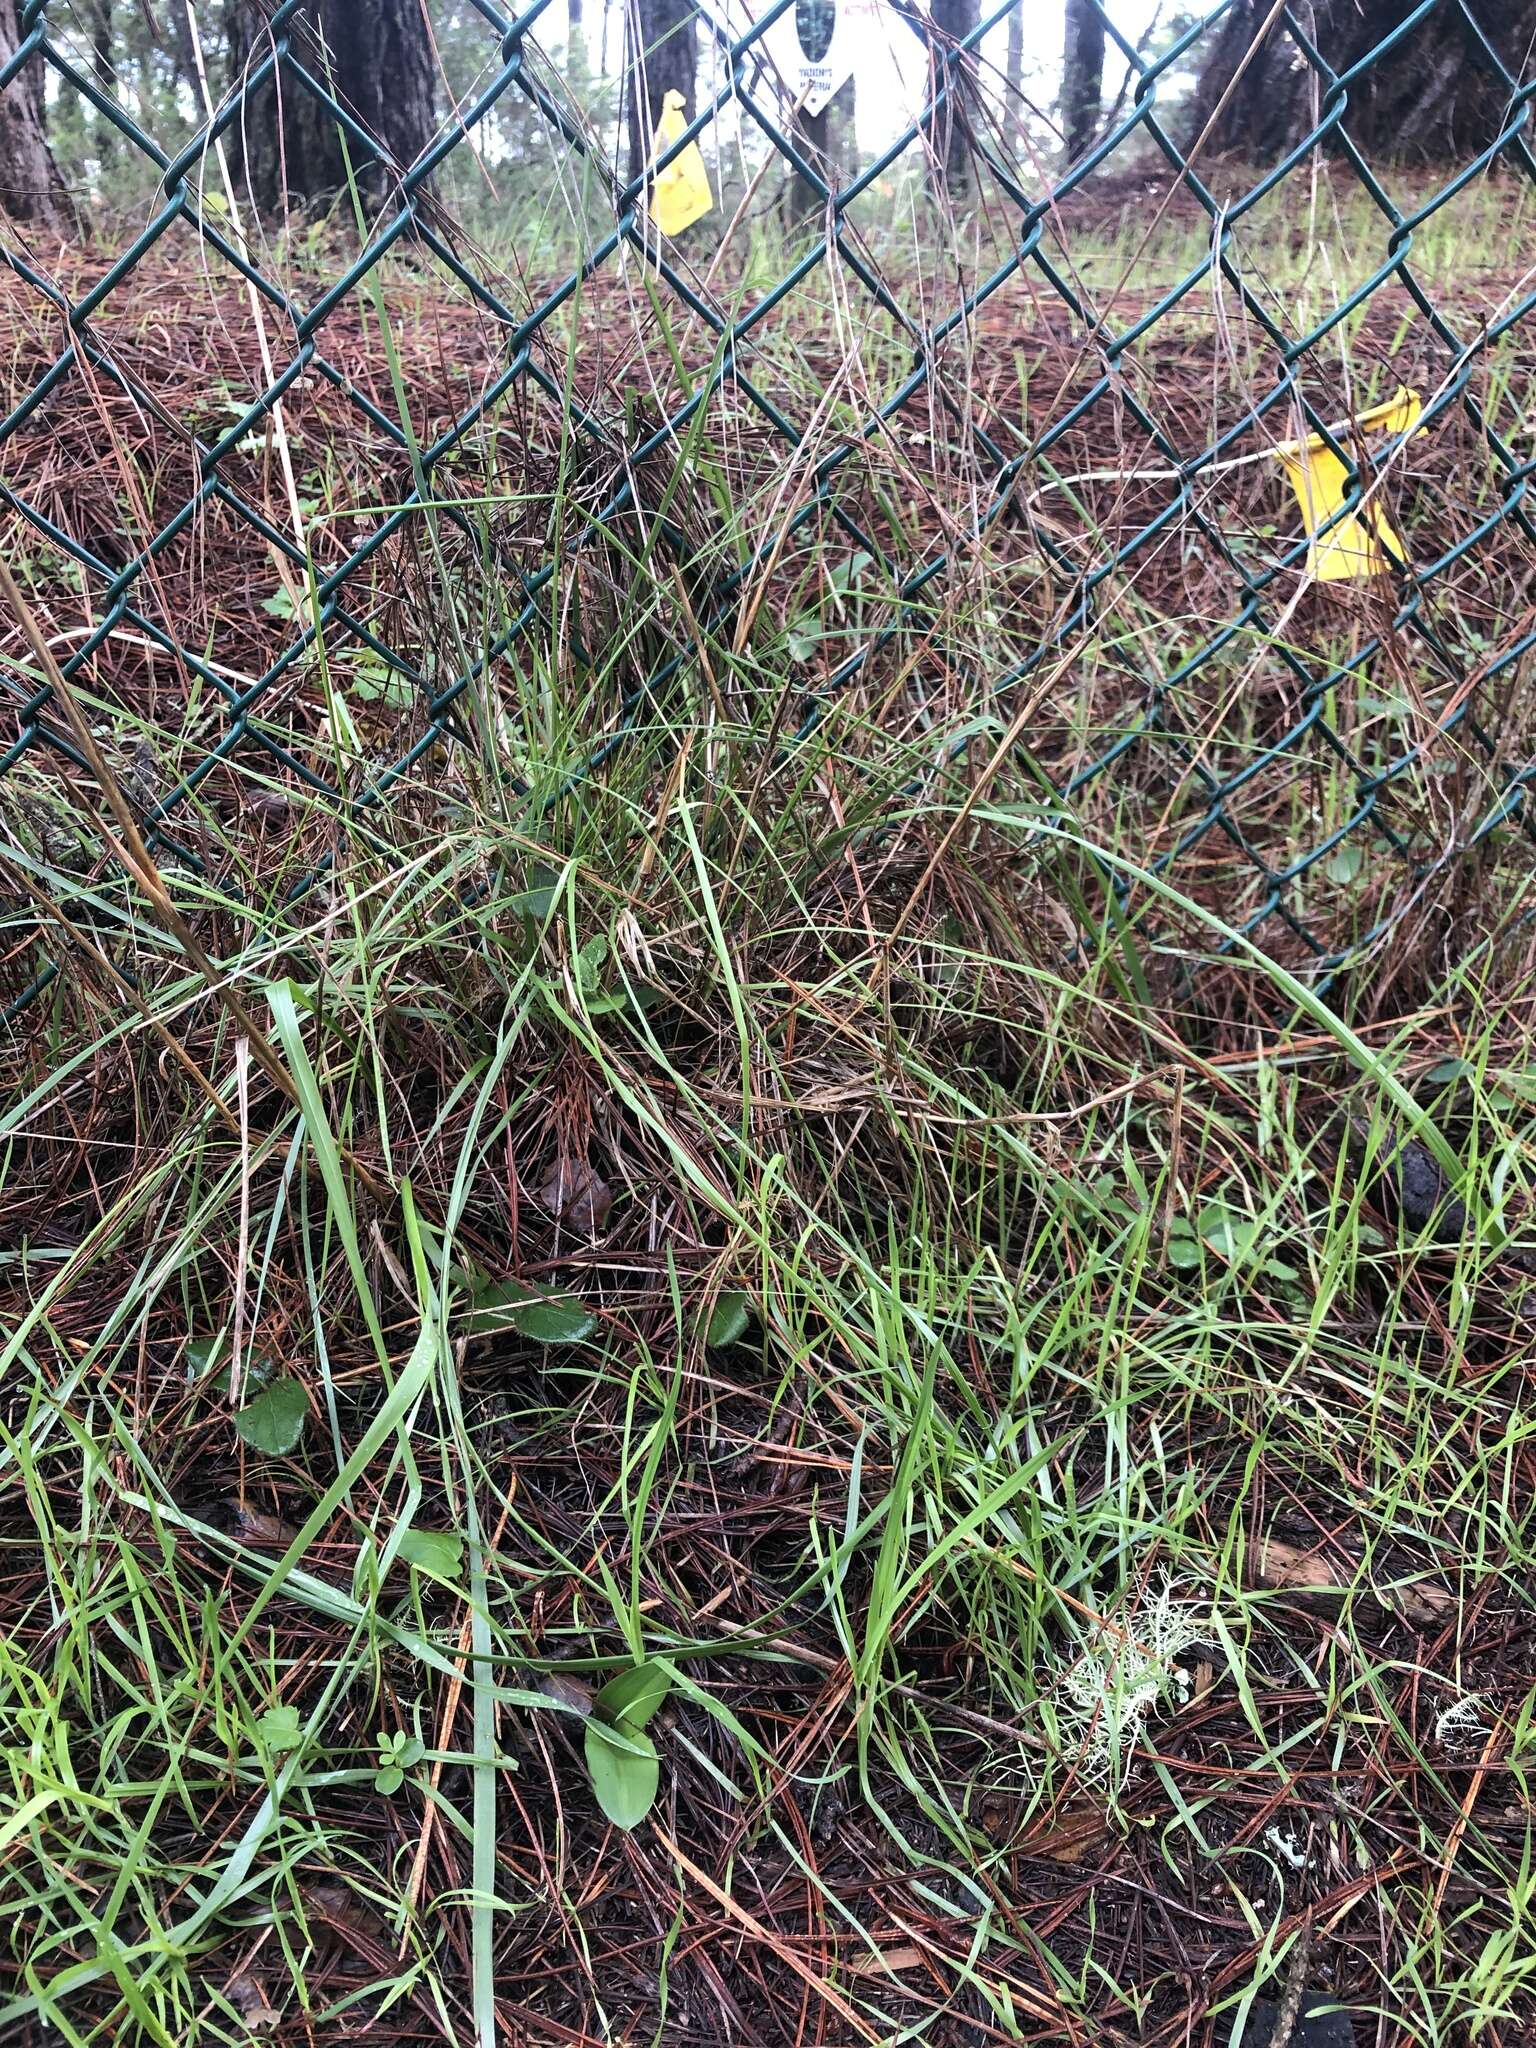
(988, 1403)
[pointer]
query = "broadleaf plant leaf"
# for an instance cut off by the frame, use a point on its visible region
(437, 1552)
(275, 1420)
(536, 1312)
(622, 1764)
(203, 1352)
(534, 903)
(729, 1319)
(634, 1695)
(280, 1729)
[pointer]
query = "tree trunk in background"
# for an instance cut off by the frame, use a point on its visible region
(843, 129)
(1433, 97)
(101, 44)
(1013, 114)
(375, 57)
(30, 185)
(1082, 76)
(661, 55)
(951, 133)
(184, 55)
(828, 141)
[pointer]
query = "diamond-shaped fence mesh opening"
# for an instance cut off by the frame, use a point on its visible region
(964, 450)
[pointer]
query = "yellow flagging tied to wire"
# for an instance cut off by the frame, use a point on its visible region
(680, 194)
(1363, 543)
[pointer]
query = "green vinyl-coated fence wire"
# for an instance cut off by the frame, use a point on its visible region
(1260, 593)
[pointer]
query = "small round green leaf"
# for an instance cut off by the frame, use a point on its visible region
(258, 1371)
(534, 903)
(437, 1552)
(1345, 862)
(1227, 1231)
(374, 678)
(535, 1312)
(589, 961)
(728, 1323)
(275, 1420)
(279, 1728)
(203, 1352)
(1440, 1073)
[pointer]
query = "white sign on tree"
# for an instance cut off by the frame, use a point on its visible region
(815, 44)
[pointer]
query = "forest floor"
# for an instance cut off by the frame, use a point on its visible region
(665, 1376)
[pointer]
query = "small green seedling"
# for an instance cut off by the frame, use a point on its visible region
(398, 1753)
(279, 1729)
(621, 1757)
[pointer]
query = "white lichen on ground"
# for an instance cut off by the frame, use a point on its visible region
(1459, 1725)
(1127, 1672)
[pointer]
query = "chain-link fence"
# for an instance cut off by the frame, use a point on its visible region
(1033, 449)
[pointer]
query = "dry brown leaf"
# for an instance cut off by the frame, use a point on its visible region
(270, 806)
(248, 1995)
(577, 1196)
(1422, 1603)
(259, 1529)
(996, 1815)
(1071, 1835)
(1296, 1571)
(340, 1911)
(888, 1960)
(570, 1692)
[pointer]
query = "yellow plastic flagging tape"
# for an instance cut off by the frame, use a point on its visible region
(1363, 543)
(680, 194)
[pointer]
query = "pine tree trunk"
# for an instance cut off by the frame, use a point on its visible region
(30, 186)
(827, 142)
(184, 57)
(101, 45)
(661, 56)
(951, 135)
(375, 59)
(1013, 120)
(843, 130)
(1433, 97)
(1082, 77)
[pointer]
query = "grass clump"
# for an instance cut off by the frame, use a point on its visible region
(799, 1302)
